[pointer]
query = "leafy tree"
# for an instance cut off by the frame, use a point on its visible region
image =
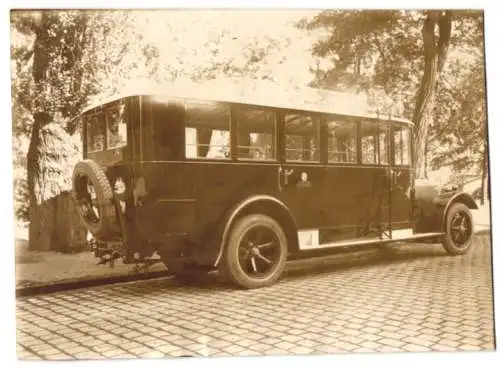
(64, 60)
(401, 52)
(459, 132)
(54, 74)
(55, 78)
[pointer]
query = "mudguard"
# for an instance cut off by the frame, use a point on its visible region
(264, 204)
(431, 203)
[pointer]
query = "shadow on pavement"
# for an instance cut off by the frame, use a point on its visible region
(380, 255)
(368, 257)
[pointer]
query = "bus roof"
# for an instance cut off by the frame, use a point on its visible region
(263, 94)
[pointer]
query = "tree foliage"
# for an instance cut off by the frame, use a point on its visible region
(64, 60)
(400, 52)
(460, 118)
(54, 74)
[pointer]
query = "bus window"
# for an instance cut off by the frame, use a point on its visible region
(342, 138)
(368, 151)
(301, 138)
(256, 136)
(117, 128)
(207, 130)
(383, 143)
(95, 133)
(402, 152)
(374, 143)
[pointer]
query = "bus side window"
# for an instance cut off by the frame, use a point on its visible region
(301, 138)
(207, 130)
(368, 149)
(256, 135)
(383, 143)
(375, 142)
(401, 139)
(342, 138)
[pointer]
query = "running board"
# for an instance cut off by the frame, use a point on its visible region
(412, 238)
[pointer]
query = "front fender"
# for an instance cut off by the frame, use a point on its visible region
(459, 197)
(431, 206)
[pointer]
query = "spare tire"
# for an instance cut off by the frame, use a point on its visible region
(93, 196)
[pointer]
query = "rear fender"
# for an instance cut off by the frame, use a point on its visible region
(263, 204)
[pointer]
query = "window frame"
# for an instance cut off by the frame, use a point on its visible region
(106, 112)
(188, 101)
(409, 145)
(234, 130)
(90, 116)
(349, 120)
(318, 120)
(389, 152)
(321, 120)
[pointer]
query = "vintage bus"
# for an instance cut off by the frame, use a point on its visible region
(220, 180)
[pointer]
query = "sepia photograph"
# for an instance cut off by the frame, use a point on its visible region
(249, 182)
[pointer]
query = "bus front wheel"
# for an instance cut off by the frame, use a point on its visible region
(458, 229)
(256, 252)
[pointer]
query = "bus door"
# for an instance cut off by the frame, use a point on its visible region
(375, 159)
(401, 181)
(346, 182)
(300, 174)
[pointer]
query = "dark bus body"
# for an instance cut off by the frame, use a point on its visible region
(192, 170)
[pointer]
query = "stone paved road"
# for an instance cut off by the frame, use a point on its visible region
(398, 298)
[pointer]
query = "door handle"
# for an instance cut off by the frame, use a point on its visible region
(280, 170)
(395, 176)
(286, 173)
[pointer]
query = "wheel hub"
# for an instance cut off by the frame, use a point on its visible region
(254, 251)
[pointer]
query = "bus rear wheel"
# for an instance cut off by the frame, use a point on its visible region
(256, 252)
(458, 229)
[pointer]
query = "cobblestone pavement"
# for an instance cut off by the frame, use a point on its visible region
(398, 298)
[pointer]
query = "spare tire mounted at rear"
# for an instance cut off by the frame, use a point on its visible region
(93, 196)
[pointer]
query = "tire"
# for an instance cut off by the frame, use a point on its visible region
(267, 249)
(459, 229)
(102, 223)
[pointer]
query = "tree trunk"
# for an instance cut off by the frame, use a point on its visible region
(39, 239)
(426, 158)
(52, 224)
(39, 213)
(434, 56)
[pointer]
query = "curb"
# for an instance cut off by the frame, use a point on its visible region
(482, 232)
(84, 283)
